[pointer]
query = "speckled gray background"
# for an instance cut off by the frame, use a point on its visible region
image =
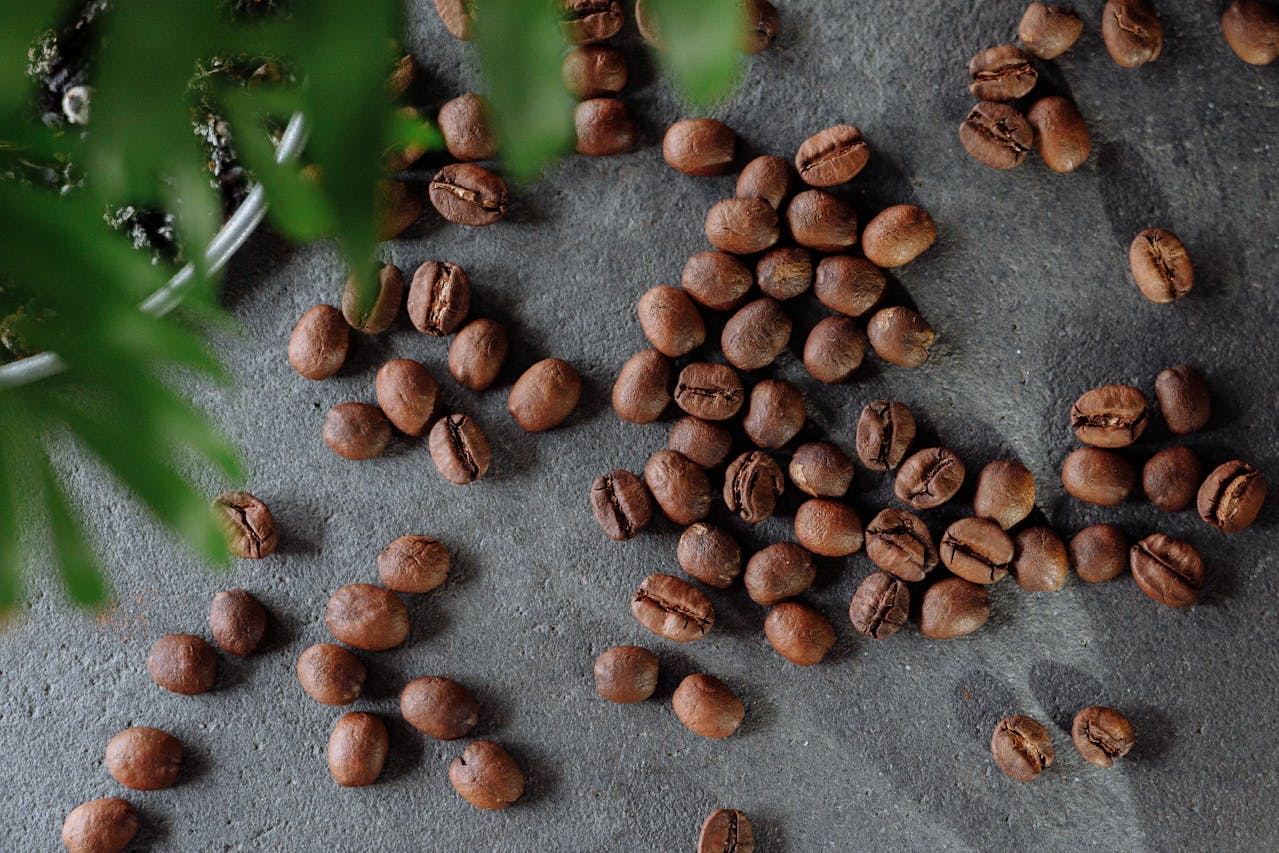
(883, 746)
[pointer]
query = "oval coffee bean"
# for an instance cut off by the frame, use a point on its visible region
(828, 528)
(705, 443)
(880, 606)
(144, 759)
(898, 235)
(700, 146)
(478, 352)
(643, 387)
(996, 135)
(458, 17)
(851, 286)
(486, 776)
(832, 156)
(181, 663)
(821, 469)
(672, 608)
(782, 570)
(439, 298)
(357, 749)
(356, 431)
(1132, 32)
(604, 127)
(752, 485)
(952, 608)
(670, 321)
(756, 335)
(439, 707)
(679, 486)
(768, 177)
(900, 544)
(1099, 553)
(1049, 31)
(1183, 399)
(1005, 493)
(977, 550)
(885, 431)
(626, 674)
(105, 825)
(589, 21)
(1251, 29)
(785, 272)
(1099, 477)
(375, 318)
(1002, 73)
(247, 523)
(459, 449)
(467, 194)
(414, 564)
(835, 349)
(1171, 478)
(464, 124)
(821, 221)
(621, 504)
(1232, 495)
(706, 706)
(407, 395)
(331, 674)
(402, 75)
(762, 23)
(900, 336)
(1062, 134)
(776, 414)
(367, 617)
(545, 395)
(716, 280)
(1160, 266)
(1169, 571)
(1041, 564)
(237, 621)
(1110, 416)
(929, 478)
(1101, 735)
(1022, 748)
(397, 207)
(594, 71)
(742, 226)
(710, 554)
(726, 831)
(319, 343)
(799, 633)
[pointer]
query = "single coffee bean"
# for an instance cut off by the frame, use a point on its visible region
(880, 606)
(700, 146)
(784, 273)
(900, 544)
(1022, 748)
(375, 317)
(1110, 416)
(621, 504)
(1062, 134)
(1099, 477)
(929, 478)
(1183, 398)
(357, 749)
(320, 342)
(706, 706)
(414, 564)
(977, 550)
(181, 663)
(247, 523)
(672, 608)
(643, 387)
(331, 674)
(680, 487)
(821, 221)
(716, 280)
(545, 395)
(851, 286)
(835, 349)
(711, 392)
(478, 352)
(397, 207)
(604, 127)
(1005, 493)
(755, 336)
(1002, 73)
(762, 24)
(726, 831)
(828, 528)
(952, 608)
(356, 431)
(885, 431)
(589, 21)
(776, 413)
(439, 707)
(439, 298)
(900, 336)
(821, 469)
(467, 194)
(458, 17)
(647, 25)
(1132, 32)
(782, 570)
(402, 75)
(459, 449)
(1099, 553)
(626, 674)
(486, 776)
(1169, 571)
(752, 485)
(466, 128)
(768, 177)
(832, 156)
(710, 554)
(1049, 31)
(670, 321)
(594, 71)
(1232, 495)
(996, 135)
(742, 226)
(407, 394)
(144, 759)
(1251, 29)
(703, 442)
(367, 617)
(1160, 266)
(1101, 735)
(898, 235)
(105, 825)
(1171, 478)
(1041, 564)
(799, 633)
(237, 621)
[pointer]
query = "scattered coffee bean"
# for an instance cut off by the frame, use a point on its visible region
(752, 485)
(356, 431)
(756, 335)
(414, 564)
(1099, 477)
(376, 317)
(710, 554)
(331, 674)
(604, 127)
(1022, 748)
(672, 608)
(929, 478)
(398, 206)
(589, 21)
(486, 776)
(357, 749)
(834, 349)
(996, 135)
(716, 280)
(458, 17)
(320, 341)
(1251, 29)
(821, 469)
(784, 273)
(594, 71)
(851, 286)
(700, 146)
(832, 156)
(459, 449)
(782, 570)
(478, 352)
(1099, 553)
(821, 221)
(898, 235)
(181, 663)
(144, 759)
(776, 413)
(1110, 416)
(828, 528)
(1061, 133)
(1160, 266)
(439, 707)
(1232, 495)
(464, 124)
(679, 486)
(767, 177)
(900, 544)
(367, 617)
(1132, 32)
(646, 23)
(885, 431)
(1005, 493)
(407, 394)
(643, 387)
(726, 831)
(621, 504)
(1049, 31)
(762, 24)
(545, 395)
(706, 706)
(439, 298)
(1171, 478)
(799, 633)
(670, 321)
(1183, 398)
(703, 442)
(1041, 564)
(900, 336)
(105, 825)
(977, 550)
(1101, 735)
(742, 226)
(1169, 571)
(626, 674)
(952, 608)
(467, 194)
(880, 606)
(237, 621)
(1002, 73)
(247, 522)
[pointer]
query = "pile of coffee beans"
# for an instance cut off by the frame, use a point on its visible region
(1023, 749)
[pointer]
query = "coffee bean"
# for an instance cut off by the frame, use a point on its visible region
(762, 24)
(782, 570)
(670, 321)
(1049, 31)
(1169, 571)
(1183, 398)
(356, 431)
(626, 674)
(1251, 29)
(898, 235)
(900, 544)
(834, 349)
(832, 156)
(439, 298)
(465, 125)
(458, 17)
(716, 280)
(742, 226)
(977, 550)
(1002, 73)
(700, 146)
(486, 776)
(679, 486)
(105, 825)
(767, 177)
(776, 414)
(1099, 553)
(407, 395)
(996, 135)
(376, 317)
(1005, 493)
(1160, 266)
(799, 633)
(1022, 748)
(929, 478)
(900, 336)
(821, 221)
(414, 564)
(647, 25)
(589, 21)
(439, 707)
(643, 387)
(1232, 495)
(885, 431)
(459, 449)
(706, 706)
(710, 554)
(477, 353)
(851, 286)
(181, 663)
(821, 469)
(1041, 564)
(1132, 32)
(1110, 416)
(755, 336)
(952, 608)
(712, 392)
(397, 207)
(1101, 735)
(357, 749)
(621, 504)
(144, 759)
(672, 608)
(331, 674)
(828, 528)
(247, 523)
(594, 71)
(752, 485)
(604, 127)
(320, 341)
(703, 442)
(1099, 477)
(1171, 478)
(784, 273)
(467, 194)
(880, 606)
(1061, 133)
(237, 621)
(367, 617)
(726, 831)
(545, 395)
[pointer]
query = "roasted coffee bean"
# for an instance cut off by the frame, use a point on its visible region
(1110, 416)
(784, 273)
(1132, 32)
(626, 674)
(1232, 495)
(1022, 748)
(977, 550)
(710, 554)
(832, 156)
(835, 349)
(900, 544)
(703, 442)
(996, 135)
(1171, 478)
(726, 831)
(821, 469)
(742, 226)
(439, 707)
(953, 607)
(885, 431)
(367, 617)
(458, 17)
(247, 523)
(1183, 398)
(414, 564)
(105, 825)
(679, 486)
(1061, 133)
(821, 221)
(356, 431)
(756, 335)
(851, 286)
(1002, 73)
(459, 449)
(898, 235)
(929, 478)
(706, 706)
(486, 776)
(712, 392)
(752, 485)
(181, 663)
(716, 280)
(375, 317)
(762, 24)
(545, 395)
(439, 298)
(464, 124)
(1251, 29)
(407, 394)
(700, 146)
(880, 606)
(331, 674)
(589, 21)
(647, 25)
(397, 207)
(467, 194)
(900, 336)
(767, 177)
(782, 570)
(320, 342)
(1099, 553)
(670, 321)
(828, 528)
(478, 352)
(799, 633)
(1041, 564)
(672, 608)
(594, 71)
(776, 414)
(237, 621)
(643, 387)
(1169, 571)
(144, 759)
(1049, 31)
(1160, 266)
(621, 504)
(402, 75)
(1101, 735)
(357, 749)
(1005, 493)
(604, 127)
(1099, 477)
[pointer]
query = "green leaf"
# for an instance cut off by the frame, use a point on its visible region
(14, 439)
(409, 130)
(702, 45)
(77, 564)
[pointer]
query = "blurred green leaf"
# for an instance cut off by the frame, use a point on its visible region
(701, 45)
(408, 130)
(77, 564)
(14, 438)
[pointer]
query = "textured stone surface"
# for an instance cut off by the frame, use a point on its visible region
(1028, 289)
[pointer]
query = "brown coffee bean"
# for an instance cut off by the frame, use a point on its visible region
(486, 776)
(898, 235)
(356, 431)
(832, 156)
(672, 608)
(589, 21)
(357, 749)
(1171, 478)
(752, 485)
(1132, 32)
(402, 75)
(621, 504)
(407, 394)
(726, 831)
(237, 621)
(767, 177)
(477, 353)
(929, 478)
(367, 617)
(706, 706)
(1099, 553)
(467, 194)
(1062, 134)
(247, 523)
(545, 395)
(742, 226)
(885, 431)
(700, 146)
(1041, 564)
(439, 707)
(977, 550)
(996, 135)
(1049, 31)
(594, 71)
(398, 207)
(782, 570)
(1005, 493)
(900, 544)
(821, 221)
(880, 606)
(458, 17)
(703, 442)
(828, 528)
(776, 414)
(1169, 571)
(835, 349)
(1251, 29)
(1110, 416)
(376, 317)
(1002, 73)
(1183, 399)
(1160, 266)
(604, 127)
(755, 336)
(626, 674)
(1099, 477)
(785, 272)
(670, 321)
(1231, 497)
(643, 387)
(1101, 735)
(716, 280)
(762, 24)
(459, 449)
(439, 298)
(144, 759)
(464, 124)
(849, 285)
(320, 342)
(679, 486)
(105, 825)
(799, 633)
(181, 663)
(952, 608)
(414, 564)
(710, 554)
(900, 336)
(1022, 748)
(821, 469)
(331, 674)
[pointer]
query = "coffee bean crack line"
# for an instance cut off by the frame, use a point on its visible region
(466, 195)
(701, 622)
(620, 517)
(933, 472)
(255, 538)
(831, 154)
(1171, 567)
(998, 133)
(460, 449)
(957, 547)
(1102, 739)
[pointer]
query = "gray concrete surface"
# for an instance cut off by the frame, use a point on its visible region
(883, 746)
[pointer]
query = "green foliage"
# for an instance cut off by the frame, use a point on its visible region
(701, 45)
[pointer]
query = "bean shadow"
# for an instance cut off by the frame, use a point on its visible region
(195, 763)
(979, 700)
(541, 778)
(1063, 690)
(406, 748)
(1132, 198)
(1155, 731)
(300, 524)
(153, 833)
(265, 254)
(768, 824)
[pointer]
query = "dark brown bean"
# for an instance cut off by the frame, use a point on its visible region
(398, 207)
(1049, 31)
(604, 127)
(1002, 73)
(835, 349)
(1169, 571)
(799, 633)
(414, 564)
(594, 71)
(1005, 493)
(821, 469)
(1062, 134)
(1041, 564)
(832, 156)
(670, 321)
(782, 570)
(776, 414)
(1251, 29)
(710, 554)
(752, 485)
(589, 21)
(1171, 478)
(407, 394)
(784, 273)
(700, 146)
(885, 431)
(1183, 399)
(1100, 477)
(356, 431)
(706, 706)
(643, 387)
(929, 478)
(828, 528)
(953, 607)
(679, 486)
(672, 608)
(237, 621)
(1132, 32)
(705, 443)
(900, 336)
(898, 235)
(439, 298)
(1231, 497)
(331, 674)
(459, 449)
(742, 226)
(320, 342)
(439, 707)
(767, 177)
(977, 550)
(621, 504)
(726, 831)
(144, 759)
(851, 286)
(712, 392)
(469, 195)
(545, 395)
(1099, 553)
(367, 617)
(247, 523)
(626, 674)
(762, 24)
(1110, 416)
(1022, 748)
(900, 544)
(756, 335)
(1161, 266)
(376, 317)
(486, 776)
(478, 352)
(181, 663)
(105, 825)
(821, 221)
(1101, 735)
(465, 126)
(716, 280)
(357, 749)
(996, 135)
(880, 606)
(458, 17)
